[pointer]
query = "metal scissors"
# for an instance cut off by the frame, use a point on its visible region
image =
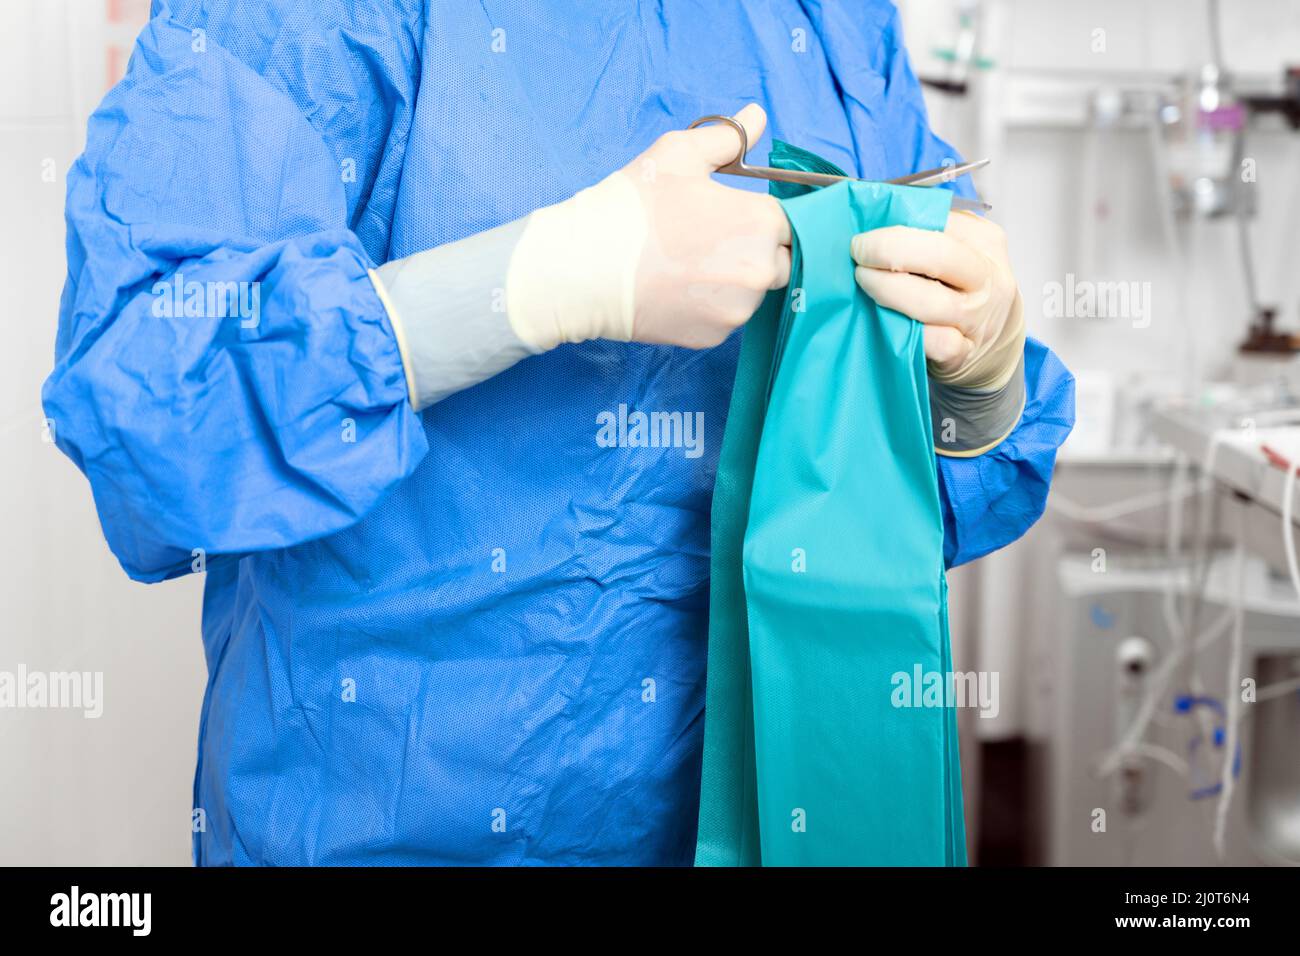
(927, 177)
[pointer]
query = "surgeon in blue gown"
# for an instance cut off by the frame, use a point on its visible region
(342, 321)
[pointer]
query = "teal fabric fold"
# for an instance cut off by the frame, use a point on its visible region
(827, 569)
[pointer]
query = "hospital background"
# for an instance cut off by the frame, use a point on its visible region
(1146, 168)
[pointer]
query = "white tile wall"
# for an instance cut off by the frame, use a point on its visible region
(76, 790)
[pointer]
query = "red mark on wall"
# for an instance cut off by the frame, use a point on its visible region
(125, 18)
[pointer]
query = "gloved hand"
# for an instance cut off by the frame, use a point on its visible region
(959, 284)
(656, 252)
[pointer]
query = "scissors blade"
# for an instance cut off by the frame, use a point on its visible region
(926, 177)
(827, 179)
(940, 174)
(785, 175)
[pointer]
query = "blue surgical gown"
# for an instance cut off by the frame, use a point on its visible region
(475, 634)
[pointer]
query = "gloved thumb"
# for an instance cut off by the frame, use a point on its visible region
(717, 144)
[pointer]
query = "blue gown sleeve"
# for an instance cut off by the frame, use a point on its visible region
(990, 500)
(225, 373)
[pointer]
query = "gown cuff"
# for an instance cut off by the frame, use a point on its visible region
(447, 306)
(971, 421)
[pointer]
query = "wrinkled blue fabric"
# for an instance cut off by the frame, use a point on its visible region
(472, 635)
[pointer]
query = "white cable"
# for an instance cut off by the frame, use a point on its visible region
(1270, 692)
(1099, 514)
(1173, 543)
(1179, 626)
(1288, 527)
(1132, 739)
(1178, 243)
(1201, 562)
(1232, 696)
(1163, 755)
(1280, 689)
(1180, 630)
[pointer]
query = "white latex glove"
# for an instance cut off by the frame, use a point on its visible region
(657, 252)
(959, 284)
